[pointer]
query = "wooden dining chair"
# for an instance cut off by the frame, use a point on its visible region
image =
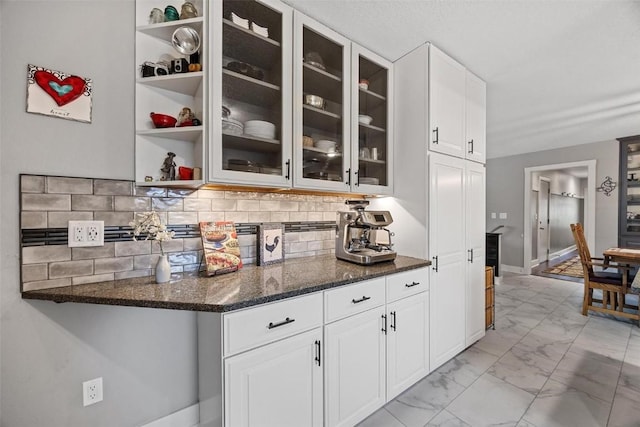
(614, 286)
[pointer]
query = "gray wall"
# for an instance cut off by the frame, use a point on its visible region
(148, 358)
(505, 193)
(562, 212)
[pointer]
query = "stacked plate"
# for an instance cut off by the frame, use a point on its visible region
(260, 128)
(326, 145)
(369, 181)
(232, 127)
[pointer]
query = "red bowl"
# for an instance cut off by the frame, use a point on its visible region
(163, 120)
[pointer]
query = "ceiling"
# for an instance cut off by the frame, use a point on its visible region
(559, 73)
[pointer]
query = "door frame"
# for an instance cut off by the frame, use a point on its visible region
(590, 205)
(548, 181)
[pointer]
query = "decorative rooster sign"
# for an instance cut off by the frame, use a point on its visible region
(54, 93)
(270, 243)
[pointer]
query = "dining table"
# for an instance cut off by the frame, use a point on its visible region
(627, 256)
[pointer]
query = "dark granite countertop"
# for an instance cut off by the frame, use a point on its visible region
(250, 286)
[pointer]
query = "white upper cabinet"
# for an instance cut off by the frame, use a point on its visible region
(321, 105)
(371, 122)
(457, 109)
(250, 116)
(476, 118)
(446, 104)
(167, 87)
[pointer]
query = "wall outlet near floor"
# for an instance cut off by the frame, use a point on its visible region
(86, 233)
(503, 215)
(92, 391)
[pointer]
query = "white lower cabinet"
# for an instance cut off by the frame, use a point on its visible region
(329, 358)
(355, 367)
(277, 385)
(407, 343)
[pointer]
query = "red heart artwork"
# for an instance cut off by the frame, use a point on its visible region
(62, 91)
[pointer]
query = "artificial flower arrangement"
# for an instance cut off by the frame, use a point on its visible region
(149, 225)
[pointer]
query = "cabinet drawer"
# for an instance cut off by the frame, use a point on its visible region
(264, 324)
(352, 299)
(407, 283)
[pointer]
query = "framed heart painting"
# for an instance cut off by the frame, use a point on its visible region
(58, 94)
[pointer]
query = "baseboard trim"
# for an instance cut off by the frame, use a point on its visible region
(562, 252)
(187, 417)
(511, 269)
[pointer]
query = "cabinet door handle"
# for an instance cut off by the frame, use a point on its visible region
(356, 173)
(393, 320)
(384, 324)
(470, 255)
(412, 284)
(435, 132)
(356, 301)
(471, 146)
(288, 175)
(284, 322)
(318, 352)
(348, 173)
(435, 263)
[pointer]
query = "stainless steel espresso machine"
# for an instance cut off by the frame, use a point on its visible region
(362, 237)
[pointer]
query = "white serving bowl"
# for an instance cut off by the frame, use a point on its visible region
(363, 118)
(325, 144)
(260, 128)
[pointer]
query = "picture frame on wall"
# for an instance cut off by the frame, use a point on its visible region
(270, 242)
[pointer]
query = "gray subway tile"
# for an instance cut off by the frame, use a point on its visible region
(248, 205)
(35, 272)
(58, 270)
(181, 218)
(46, 284)
(83, 280)
(210, 216)
(241, 195)
(142, 262)
(192, 243)
(108, 187)
(112, 265)
(182, 258)
(91, 203)
(198, 205)
(236, 216)
(33, 220)
(32, 184)
(167, 204)
(112, 219)
(210, 194)
(175, 245)
(223, 205)
(64, 185)
(279, 216)
(259, 216)
(106, 251)
(126, 203)
(61, 219)
(179, 192)
(150, 191)
(46, 202)
(139, 247)
(40, 254)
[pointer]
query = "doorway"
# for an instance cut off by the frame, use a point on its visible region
(530, 235)
(544, 192)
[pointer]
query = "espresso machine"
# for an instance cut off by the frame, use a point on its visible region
(362, 237)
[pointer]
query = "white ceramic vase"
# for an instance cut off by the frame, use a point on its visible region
(163, 270)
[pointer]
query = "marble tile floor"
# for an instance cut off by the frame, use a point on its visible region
(545, 365)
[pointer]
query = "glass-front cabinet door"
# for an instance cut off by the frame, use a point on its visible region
(371, 131)
(251, 93)
(629, 221)
(321, 138)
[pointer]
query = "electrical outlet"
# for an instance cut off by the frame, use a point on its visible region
(86, 233)
(92, 391)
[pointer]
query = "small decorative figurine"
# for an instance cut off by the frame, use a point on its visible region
(186, 117)
(169, 168)
(188, 10)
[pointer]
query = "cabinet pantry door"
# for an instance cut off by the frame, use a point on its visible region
(407, 343)
(476, 118)
(475, 234)
(355, 367)
(446, 104)
(448, 253)
(276, 385)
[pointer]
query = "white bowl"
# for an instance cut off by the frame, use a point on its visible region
(363, 118)
(260, 128)
(325, 144)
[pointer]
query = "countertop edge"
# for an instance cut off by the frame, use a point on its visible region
(58, 296)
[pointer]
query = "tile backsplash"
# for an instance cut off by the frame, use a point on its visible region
(47, 203)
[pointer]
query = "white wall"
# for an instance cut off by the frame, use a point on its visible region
(505, 181)
(147, 357)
